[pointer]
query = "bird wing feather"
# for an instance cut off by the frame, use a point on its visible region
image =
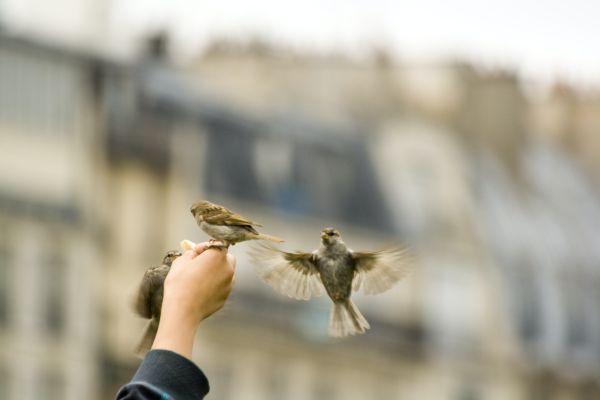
(222, 216)
(294, 274)
(377, 271)
(153, 278)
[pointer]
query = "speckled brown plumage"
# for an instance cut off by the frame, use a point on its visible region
(337, 269)
(226, 226)
(149, 299)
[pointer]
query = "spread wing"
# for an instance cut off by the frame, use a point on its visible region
(222, 216)
(294, 274)
(377, 271)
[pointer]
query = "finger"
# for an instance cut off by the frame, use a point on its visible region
(217, 249)
(200, 247)
(186, 256)
(212, 257)
(189, 254)
(186, 244)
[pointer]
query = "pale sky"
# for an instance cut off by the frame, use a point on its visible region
(542, 39)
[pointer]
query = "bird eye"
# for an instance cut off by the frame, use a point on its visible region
(330, 233)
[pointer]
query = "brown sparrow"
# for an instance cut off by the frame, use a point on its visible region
(224, 225)
(149, 300)
(336, 268)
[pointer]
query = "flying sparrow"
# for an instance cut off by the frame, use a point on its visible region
(149, 300)
(224, 225)
(336, 268)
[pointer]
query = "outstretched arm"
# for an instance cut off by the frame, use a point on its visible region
(197, 286)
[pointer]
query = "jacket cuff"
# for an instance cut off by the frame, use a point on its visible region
(173, 374)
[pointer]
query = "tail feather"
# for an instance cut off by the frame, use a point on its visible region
(345, 319)
(147, 339)
(263, 236)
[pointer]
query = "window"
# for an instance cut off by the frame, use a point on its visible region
(524, 302)
(276, 383)
(53, 285)
(324, 386)
(468, 392)
(453, 306)
(4, 379)
(5, 284)
(221, 378)
(51, 386)
(578, 310)
(39, 94)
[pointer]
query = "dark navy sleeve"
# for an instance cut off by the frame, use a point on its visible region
(165, 375)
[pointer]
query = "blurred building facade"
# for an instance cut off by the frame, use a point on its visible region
(48, 132)
(102, 160)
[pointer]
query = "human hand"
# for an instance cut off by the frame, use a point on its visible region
(199, 282)
(197, 286)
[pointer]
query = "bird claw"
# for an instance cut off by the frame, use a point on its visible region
(217, 244)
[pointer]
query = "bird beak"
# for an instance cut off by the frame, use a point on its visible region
(323, 236)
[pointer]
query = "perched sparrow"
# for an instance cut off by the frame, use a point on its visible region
(337, 268)
(149, 300)
(223, 225)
